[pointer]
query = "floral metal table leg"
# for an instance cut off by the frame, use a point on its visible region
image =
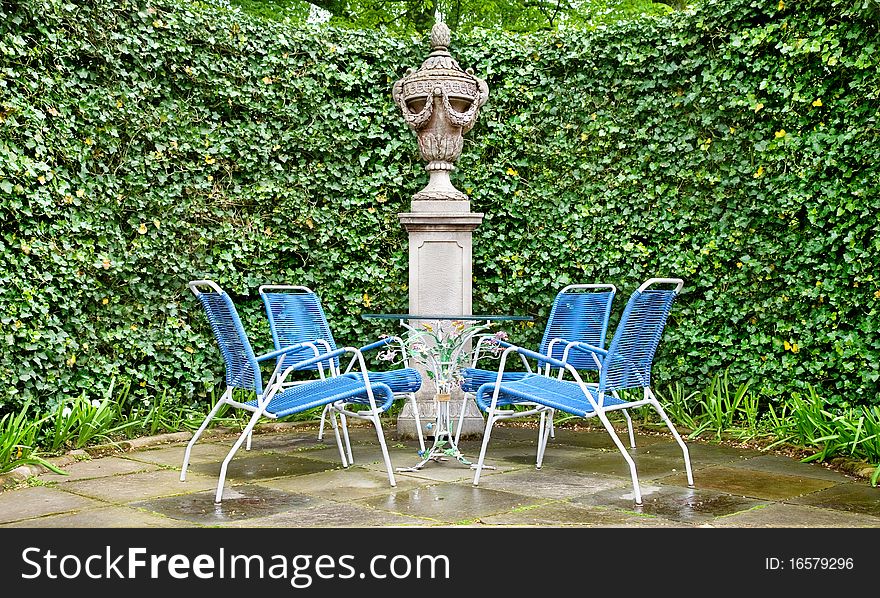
(444, 445)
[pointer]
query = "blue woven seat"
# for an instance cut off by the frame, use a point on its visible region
(276, 398)
(302, 397)
(296, 316)
(555, 394)
(474, 378)
(403, 380)
(626, 364)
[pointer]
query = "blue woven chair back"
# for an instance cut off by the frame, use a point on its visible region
(296, 316)
(242, 369)
(635, 341)
(578, 316)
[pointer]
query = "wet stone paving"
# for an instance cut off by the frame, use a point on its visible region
(290, 478)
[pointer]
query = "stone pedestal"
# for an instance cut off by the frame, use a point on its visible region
(441, 283)
(440, 102)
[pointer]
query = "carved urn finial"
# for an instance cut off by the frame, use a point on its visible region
(440, 102)
(440, 36)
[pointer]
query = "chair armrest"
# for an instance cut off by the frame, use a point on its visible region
(358, 355)
(375, 345)
(285, 350)
(540, 358)
(316, 359)
(588, 348)
(597, 353)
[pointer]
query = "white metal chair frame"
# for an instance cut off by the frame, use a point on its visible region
(548, 412)
(335, 371)
(599, 409)
(275, 384)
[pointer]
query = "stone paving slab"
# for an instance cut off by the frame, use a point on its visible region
(365, 454)
(106, 517)
(172, 456)
(788, 466)
(791, 515)
(513, 433)
(551, 483)
(345, 484)
(600, 439)
(242, 502)
(564, 514)
(850, 497)
(333, 515)
(512, 452)
(701, 453)
(138, 486)
(612, 463)
(97, 468)
(686, 505)
(450, 503)
(757, 484)
(448, 472)
(300, 440)
(518, 454)
(370, 457)
(40, 501)
(261, 466)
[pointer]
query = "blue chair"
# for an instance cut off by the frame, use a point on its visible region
(296, 316)
(580, 313)
(275, 398)
(626, 364)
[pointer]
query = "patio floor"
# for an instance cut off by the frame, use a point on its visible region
(291, 479)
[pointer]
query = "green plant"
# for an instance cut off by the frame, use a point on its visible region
(83, 422)
(165, 415)
(18, 441)
(62, 430)
(723, 408)
(807, 421)
(679, 405)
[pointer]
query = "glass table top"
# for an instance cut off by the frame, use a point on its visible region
(492, 317)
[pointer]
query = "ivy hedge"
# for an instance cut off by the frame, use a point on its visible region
(144, 144)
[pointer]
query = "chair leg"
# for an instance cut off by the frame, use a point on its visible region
(198, 433)
(385, 455)
(344, 423)
(629, 428)
(542, 425)
(323, 421)
(335, 427)
(552, 425)
(543, 438)
(684, 450)
(247, 445)
(415, 408)
(637, 491)
(460, 420)
(490, 421)
(241, 437)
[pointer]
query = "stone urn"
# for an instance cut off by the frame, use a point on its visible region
(440, 102)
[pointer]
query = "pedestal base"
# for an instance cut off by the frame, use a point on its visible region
(472, 427)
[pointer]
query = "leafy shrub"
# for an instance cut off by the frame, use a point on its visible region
(144, 144)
